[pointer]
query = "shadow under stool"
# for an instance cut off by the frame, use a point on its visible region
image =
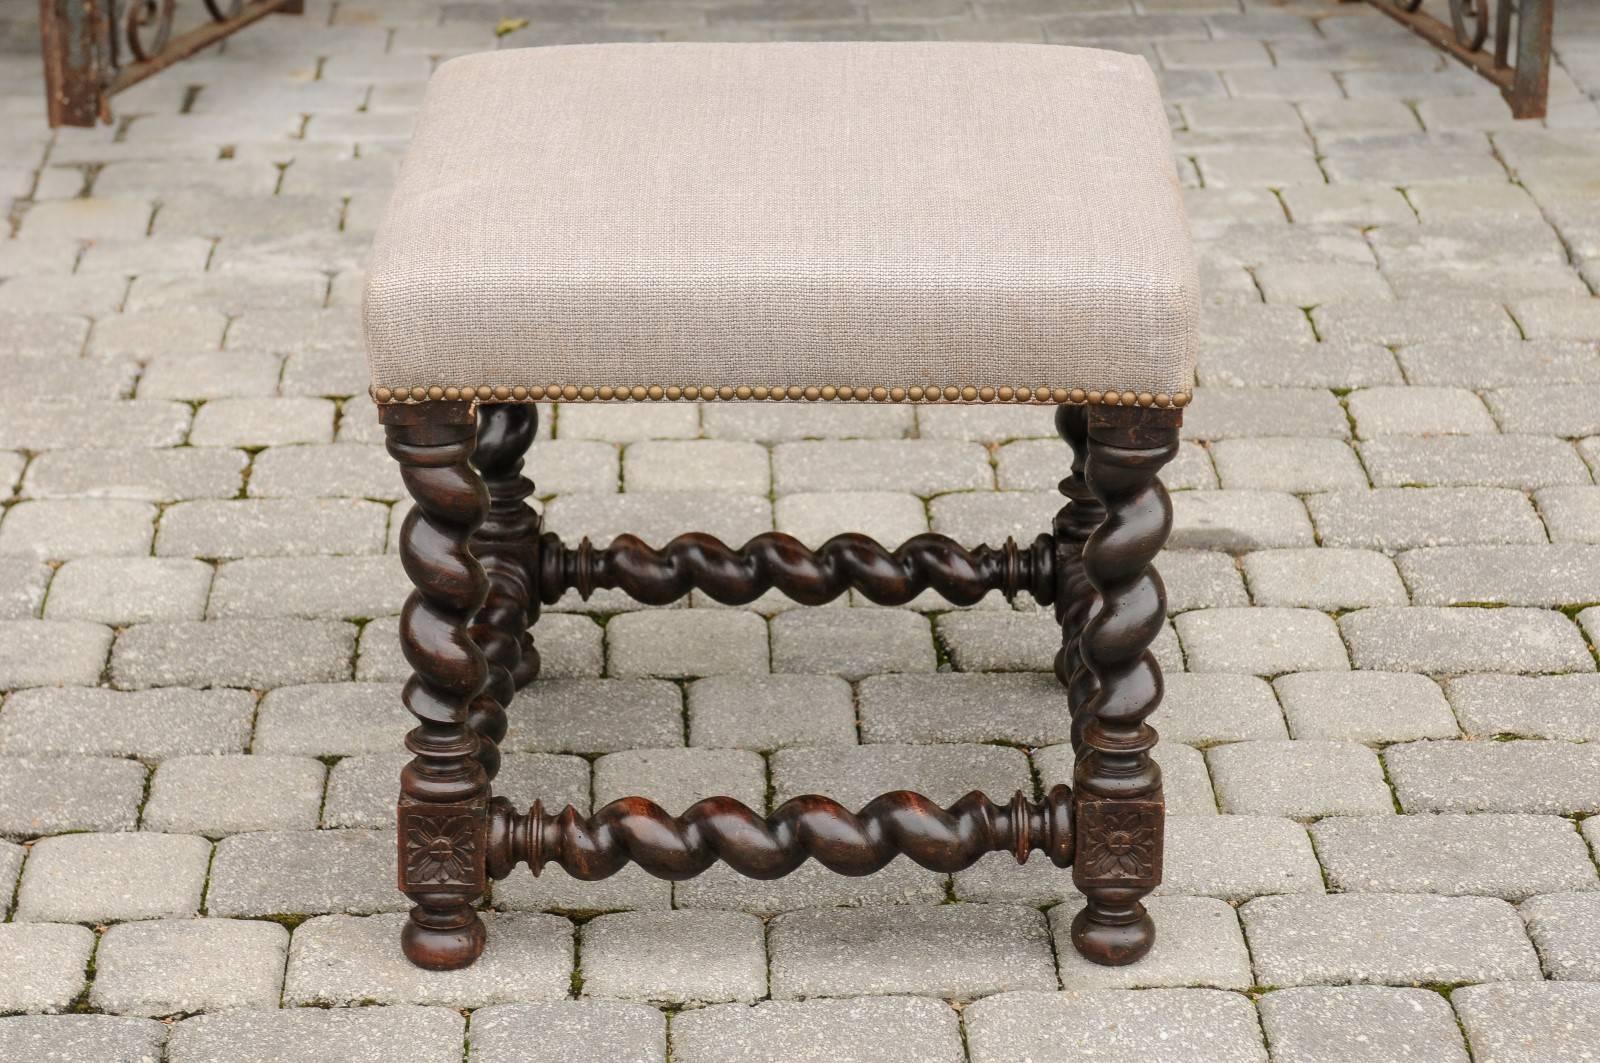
(777, 224)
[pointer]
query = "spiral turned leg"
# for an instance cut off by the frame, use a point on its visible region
(444, 791)
(1120, 808)
(1076, 599)
(506, 545)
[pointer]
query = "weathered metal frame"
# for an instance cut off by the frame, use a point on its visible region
(481, 568)
(83, 43)
(1523, 79)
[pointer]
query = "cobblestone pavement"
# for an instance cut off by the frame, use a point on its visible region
(1382, 733)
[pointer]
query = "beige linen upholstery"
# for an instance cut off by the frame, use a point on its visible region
(857, 220)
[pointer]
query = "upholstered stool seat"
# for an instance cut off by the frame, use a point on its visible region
(967, 222)
(862, 222)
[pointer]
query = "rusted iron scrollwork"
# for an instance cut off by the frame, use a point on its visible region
(1506, 41)
(96, 48)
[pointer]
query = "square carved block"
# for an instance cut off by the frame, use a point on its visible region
(442, 848)
(1119, 842)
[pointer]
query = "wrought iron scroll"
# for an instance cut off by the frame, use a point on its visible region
(1506, 41)
(96, 48)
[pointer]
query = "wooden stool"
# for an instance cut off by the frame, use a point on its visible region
(863, 223)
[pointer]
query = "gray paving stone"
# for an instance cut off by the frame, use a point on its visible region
(246, 653)
(1370, 707)
(674, 957)
(1557, 317)
(302, 872)
(1360, 1024)
(152, 724)
(955, 951)
(1566, 931)
(22, 583)
(1263, 641)
(859, 1030)
(1217, 707)
(1545, 410)
(1525, 462)
(1402, 518)
(570, 646)
(783, 422)
(58, 529)
(1386, 939)
(1296, 465)
(1554, 574)
(990, 516)
(362, 789)
(923, 467)
(854, 775)
(1341, 363)
(143, 474)
(1201, 579)
(1571, 513)
(1445, 641)
(1507, 856)
(341, 959)
(42, 967)
(81, 1039)
(1238, 521)
(59, 378)
(168, 966)
(65, 425)
(1551, 1022)
(152, 333)
(332, 470)
(1224, 413)
(1026, 709)
(11, 857)
(1498, 364)
(595, 715)
(43, 332)
(553, 890)
(999, 642)
(331, 719)
(1418, 411)
(853, 643)
(1523, 776)
(1348, 204)
(220, 795)
(887, 516)
(56, 795)
(262, 422)
(1557, 706)
(771, 712)
(1301, 779)
(1328, 578)
(200, 375)
(1115, 1026)
(272, 526)
(677, 778)
(1312, 284)
(95, 878)
(36, 653)
(696, 465)
(679, 643)
(568, 1031)
(322, 588)
(1232, 858)
(986, 424)
(348, 1035)
(1199, 945)
(132, 590)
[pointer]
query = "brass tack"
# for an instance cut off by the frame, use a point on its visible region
(1042, 394)
(1093, 397)
(569, 392)
(1145, 398)
(1112, 398)
(915, 393)
(743, 391)
(674, 392)
(1130, 398)
(637, 392)
(725, 392)
(452, 393)
(605, 392)
(1181, 399)
(1060, 395)
(485, 392)
(1162, 398)
(812, 394)
(759, 392)
(968, 393)
(897, 394)
(1006, 393)
(952, 393)
(551, 391)
(655, 391)
(829, 392)
(384, 395)
(419, 393)
(502, 392)
(435, 392)
(586, 393)
(794, 391)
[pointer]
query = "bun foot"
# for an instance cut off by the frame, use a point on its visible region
(1113, 944)
(443, 941)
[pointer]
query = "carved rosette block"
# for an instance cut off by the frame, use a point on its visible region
(1119, 843)
(442, 848)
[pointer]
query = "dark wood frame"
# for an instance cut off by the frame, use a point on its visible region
(473, 549)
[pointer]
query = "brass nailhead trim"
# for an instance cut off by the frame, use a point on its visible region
(778, 393)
